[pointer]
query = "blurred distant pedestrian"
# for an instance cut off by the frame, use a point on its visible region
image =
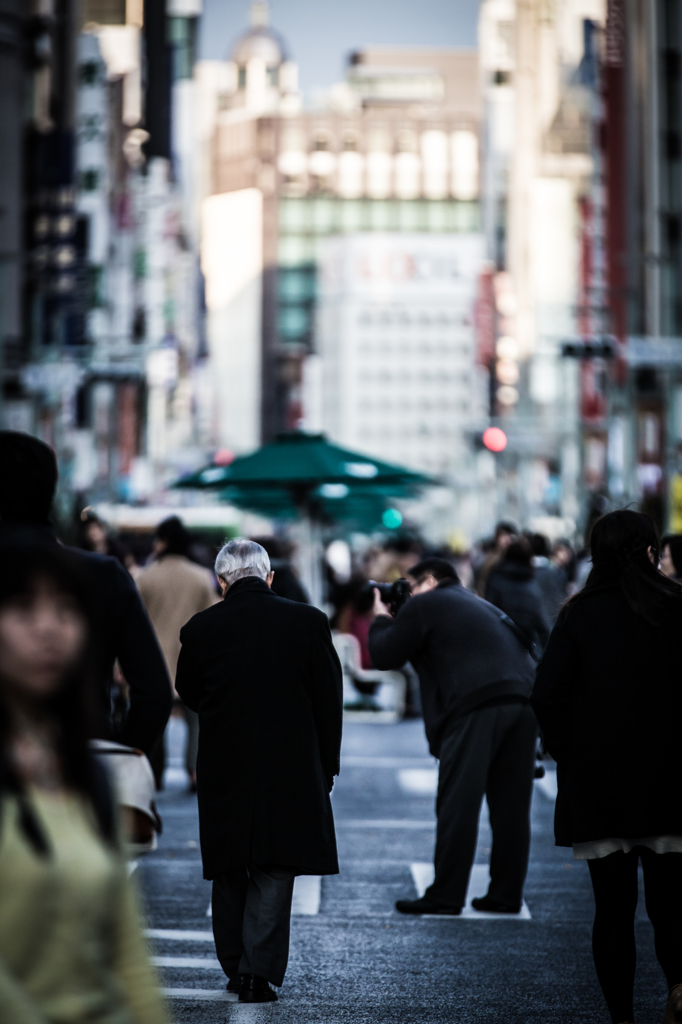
(671, 556)
(71, 944)
(552, 580)
(563, 557)
(504, 535)
(512, 587)
(94, 535)
(476, 675)
(173, 590)
(285, 583)
(28, 478)
(264, 677)
(609, 703)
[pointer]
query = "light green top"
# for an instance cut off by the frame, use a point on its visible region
(71, 945)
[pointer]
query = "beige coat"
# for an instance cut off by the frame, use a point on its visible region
(173, 590)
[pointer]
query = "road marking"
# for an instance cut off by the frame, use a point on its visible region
(384, 823)
(423, 781)
(362, 761)
(306, 900)
(177, 935)
(195, 963)
(423, 875)
(307, 895)
(548, 784)
(206, 994)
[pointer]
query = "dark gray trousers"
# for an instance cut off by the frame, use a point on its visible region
(489, 752)
(251, 920)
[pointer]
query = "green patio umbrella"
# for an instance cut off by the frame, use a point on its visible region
(301, 462)
(296, 474)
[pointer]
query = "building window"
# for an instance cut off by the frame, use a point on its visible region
(272, 77)
(241, 77)
(294, 323)
(321, 141)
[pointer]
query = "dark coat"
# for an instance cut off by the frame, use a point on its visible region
(264, 676)
(464, 655)
(286, 583)
(122, 631)
(553, 584)
(609, 702)
(513, 588)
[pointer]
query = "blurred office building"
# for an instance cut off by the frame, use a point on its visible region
(543, 219)
(392, 149)
(103, 339)
(640, 439)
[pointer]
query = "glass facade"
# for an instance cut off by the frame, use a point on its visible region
(305, 222)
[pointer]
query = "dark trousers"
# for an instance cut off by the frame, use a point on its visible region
(614, 880)
(489, 752)
(251, 920)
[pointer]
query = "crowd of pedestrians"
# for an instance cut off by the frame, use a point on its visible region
(518, 638)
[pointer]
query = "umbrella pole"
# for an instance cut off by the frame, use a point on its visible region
(309, 557)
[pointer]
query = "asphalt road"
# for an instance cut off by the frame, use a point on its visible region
(353, 957)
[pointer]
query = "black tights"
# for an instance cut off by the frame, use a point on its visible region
(614, 880)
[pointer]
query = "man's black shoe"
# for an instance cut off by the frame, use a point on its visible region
(489, 906)
(234, 984)
(256, 990)
(425, 906)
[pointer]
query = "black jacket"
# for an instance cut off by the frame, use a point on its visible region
(553, 584)
(513, 589)
(122, 631)
(464, 655)
(264, 676)
(609, 701)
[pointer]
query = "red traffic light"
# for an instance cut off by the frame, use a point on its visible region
(494, 439)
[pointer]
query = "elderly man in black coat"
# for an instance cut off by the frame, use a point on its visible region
(263, 675)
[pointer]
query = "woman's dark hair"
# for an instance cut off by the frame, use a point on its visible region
(72, 707)
(175, 535)
(673, 541)
(28, 478)
(439, 568)
(519, 552)
(619, 544)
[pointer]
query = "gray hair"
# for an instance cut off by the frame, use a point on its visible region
(241, 557)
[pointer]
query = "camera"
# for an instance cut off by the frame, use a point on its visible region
(394, 595)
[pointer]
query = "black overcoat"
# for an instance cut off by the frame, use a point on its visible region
(609, 702)
(265, 679)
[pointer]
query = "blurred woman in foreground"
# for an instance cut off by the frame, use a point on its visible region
(609, 702)
(71, 946)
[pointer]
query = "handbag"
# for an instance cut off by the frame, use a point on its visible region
(134, 788)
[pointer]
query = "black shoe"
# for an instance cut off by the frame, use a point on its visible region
(256, 990)
(488, 906)
(426, 906)
(234, 984)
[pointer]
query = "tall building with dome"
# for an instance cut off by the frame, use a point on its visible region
(393, 150)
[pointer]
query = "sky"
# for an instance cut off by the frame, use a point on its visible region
(321, 33)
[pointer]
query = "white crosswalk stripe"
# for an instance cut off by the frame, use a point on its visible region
(423, 875)
(195, 963)
(548, 784)
(210, 995)
(423, 781)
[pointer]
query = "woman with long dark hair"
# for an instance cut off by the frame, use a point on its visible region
(609, 702)
(71, 946)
